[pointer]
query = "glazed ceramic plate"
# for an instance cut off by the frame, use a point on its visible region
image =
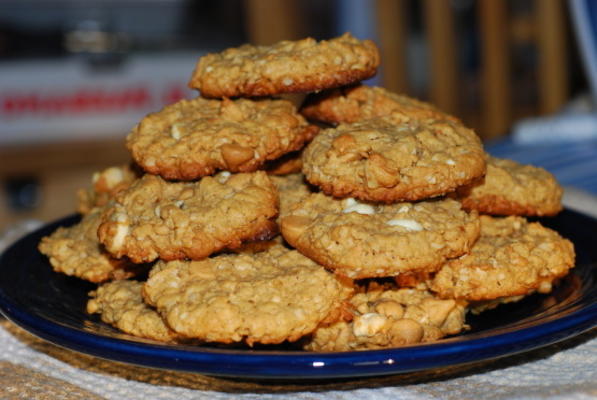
(52, 306)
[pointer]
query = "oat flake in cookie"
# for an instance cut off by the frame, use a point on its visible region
(385, 317)
(266, 297)
(363, 240)
(512, 257)
(357, 103)
(285, 67)
(155, 218)
(194, 138)
(384, 160)
(510, 188)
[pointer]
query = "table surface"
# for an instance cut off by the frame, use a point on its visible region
(32, 368)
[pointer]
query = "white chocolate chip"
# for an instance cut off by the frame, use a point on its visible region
(404, 208)
(175, 131)
(410, 224)
(449, 161)
(368, 324)
(287, 81)
(122, 231)
(113, 176)
(179, 203)
(223, 176)
(351, 205)
(209, 69)
(157, 211)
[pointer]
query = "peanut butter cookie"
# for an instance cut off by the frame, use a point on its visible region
(510, 188)
(357, 103)
(292, 189)
(121, 305)
(512, 257)
(105, 185)
(385, 318)
(266, 297)
(381, 160)
(155, 218)
(76, 251)
(285, 67)
(362, 240)
(194, 138)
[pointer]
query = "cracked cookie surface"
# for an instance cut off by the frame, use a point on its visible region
(155, 218)
(384, 318)
(513, 257)
(194, 138)
(285, 67)
(381, 160)
(121, 305)
(511, 188)
(76, 251)
(362, 240)
(266, 297)
(357, 103)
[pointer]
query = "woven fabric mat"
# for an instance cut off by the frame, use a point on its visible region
(31, 368)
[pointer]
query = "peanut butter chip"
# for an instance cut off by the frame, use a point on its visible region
(390, 317)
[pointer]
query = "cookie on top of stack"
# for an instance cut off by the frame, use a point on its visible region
(257, 226)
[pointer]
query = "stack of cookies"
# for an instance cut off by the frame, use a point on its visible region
(355, 219)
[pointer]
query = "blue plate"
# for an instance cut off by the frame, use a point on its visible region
(52, 306)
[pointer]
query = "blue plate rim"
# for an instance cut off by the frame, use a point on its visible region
(295, 365)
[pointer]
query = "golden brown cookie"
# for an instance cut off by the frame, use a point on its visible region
(266, 297)
(362, 240)
(105, 185)
(121, 305)
(193, 138)
(512, 257)
(381, 160)
(155, 218)
(510, 188)
(357, 103)
(390, 318)
(290, 163)
(285, 67)
(76, 251)
(292, 189)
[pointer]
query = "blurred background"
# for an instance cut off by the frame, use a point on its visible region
(76, 75)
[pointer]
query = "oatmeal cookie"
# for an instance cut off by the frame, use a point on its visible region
(292, 189)
(510, 188)
(105, 185)
(285, 67)
(266, 297)
(121, 305)
(362, 240)
(357, 103)
(76, 251)
(381, 160)
(155, 218)
(390, 318)
(290, 163)
(194, 138)
(512, 257)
